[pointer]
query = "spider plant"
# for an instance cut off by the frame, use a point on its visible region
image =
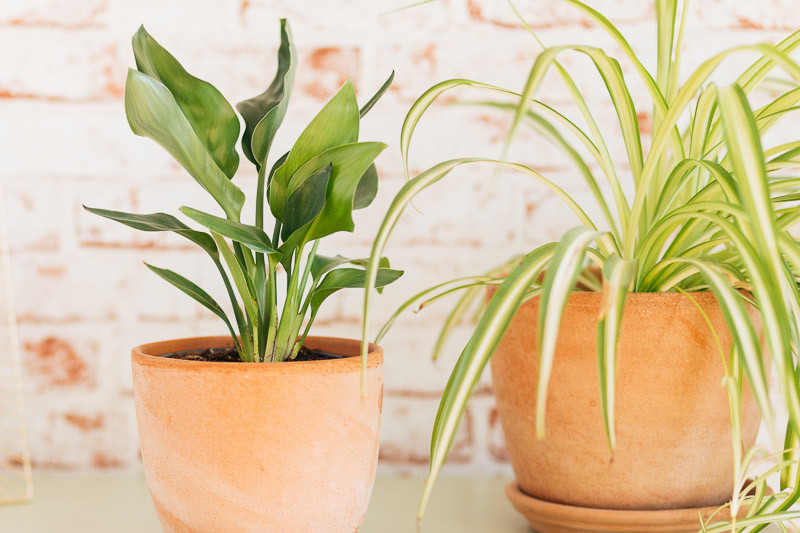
(311, 192)
(710, 210)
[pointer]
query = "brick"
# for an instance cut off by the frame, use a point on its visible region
(166, 196)
(69, 436)
(60, 358)
(405, 435)
(83, 297)
(79, 66)
(780, 15)
(555, 14)
(29, 212)
(91, 139)
(54, 14)
(497, 442)
(215, 21)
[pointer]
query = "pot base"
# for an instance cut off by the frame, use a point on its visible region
(549, 517)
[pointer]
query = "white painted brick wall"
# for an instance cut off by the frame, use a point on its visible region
(83, 296)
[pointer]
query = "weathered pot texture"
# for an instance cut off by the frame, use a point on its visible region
(673, 427)
(255, 447)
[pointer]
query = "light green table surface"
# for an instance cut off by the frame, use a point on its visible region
(120, 503)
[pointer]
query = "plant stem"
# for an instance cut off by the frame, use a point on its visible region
(237, 312)
(273, 310)
(302, 339)
(286, 326)
(260, 196)
(276, 234)
(307, 270)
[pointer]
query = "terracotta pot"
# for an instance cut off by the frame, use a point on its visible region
(255, 447)
(673, 427)
(549, 517)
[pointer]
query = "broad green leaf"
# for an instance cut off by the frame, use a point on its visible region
(153, 112)
(211, 116)
(348, 278)
(367, 188)
(250, 236)
(377, 96)
(197, 294)
(306, 201)
(334, 125)
(321, 264)
(343, 184)
(159, 222)
(348, 164)
(165, 222)
(263, 114)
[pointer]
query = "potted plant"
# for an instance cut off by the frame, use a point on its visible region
(266, 429)
(610, 345)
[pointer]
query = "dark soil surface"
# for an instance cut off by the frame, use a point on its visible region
(229, 355)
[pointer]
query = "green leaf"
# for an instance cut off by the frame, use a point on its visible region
(247, 291)
(348, 278)
(250, 236)
(159, 222)
(197, 294)
(407, 194)
(377, 96)
(473, 285)
(306, 201)
(353, 165)
(733, 308)
(618, 276)
(211, 116)
(334, 125)
(490, 329)
(367, 188)
(153, 112)
(559, 281)
(348, 164)
(548, 130)
(746, 153)
(263, 114)
(321, 264)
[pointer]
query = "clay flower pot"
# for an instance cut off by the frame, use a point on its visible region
(254, 447)
(673, 425)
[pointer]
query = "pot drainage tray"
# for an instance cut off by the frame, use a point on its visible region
(549, 517)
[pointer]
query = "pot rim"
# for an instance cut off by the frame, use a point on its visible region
(661, 299)
(672, 299)
(150, 354)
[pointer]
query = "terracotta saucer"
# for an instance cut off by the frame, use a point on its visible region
(549, 517)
